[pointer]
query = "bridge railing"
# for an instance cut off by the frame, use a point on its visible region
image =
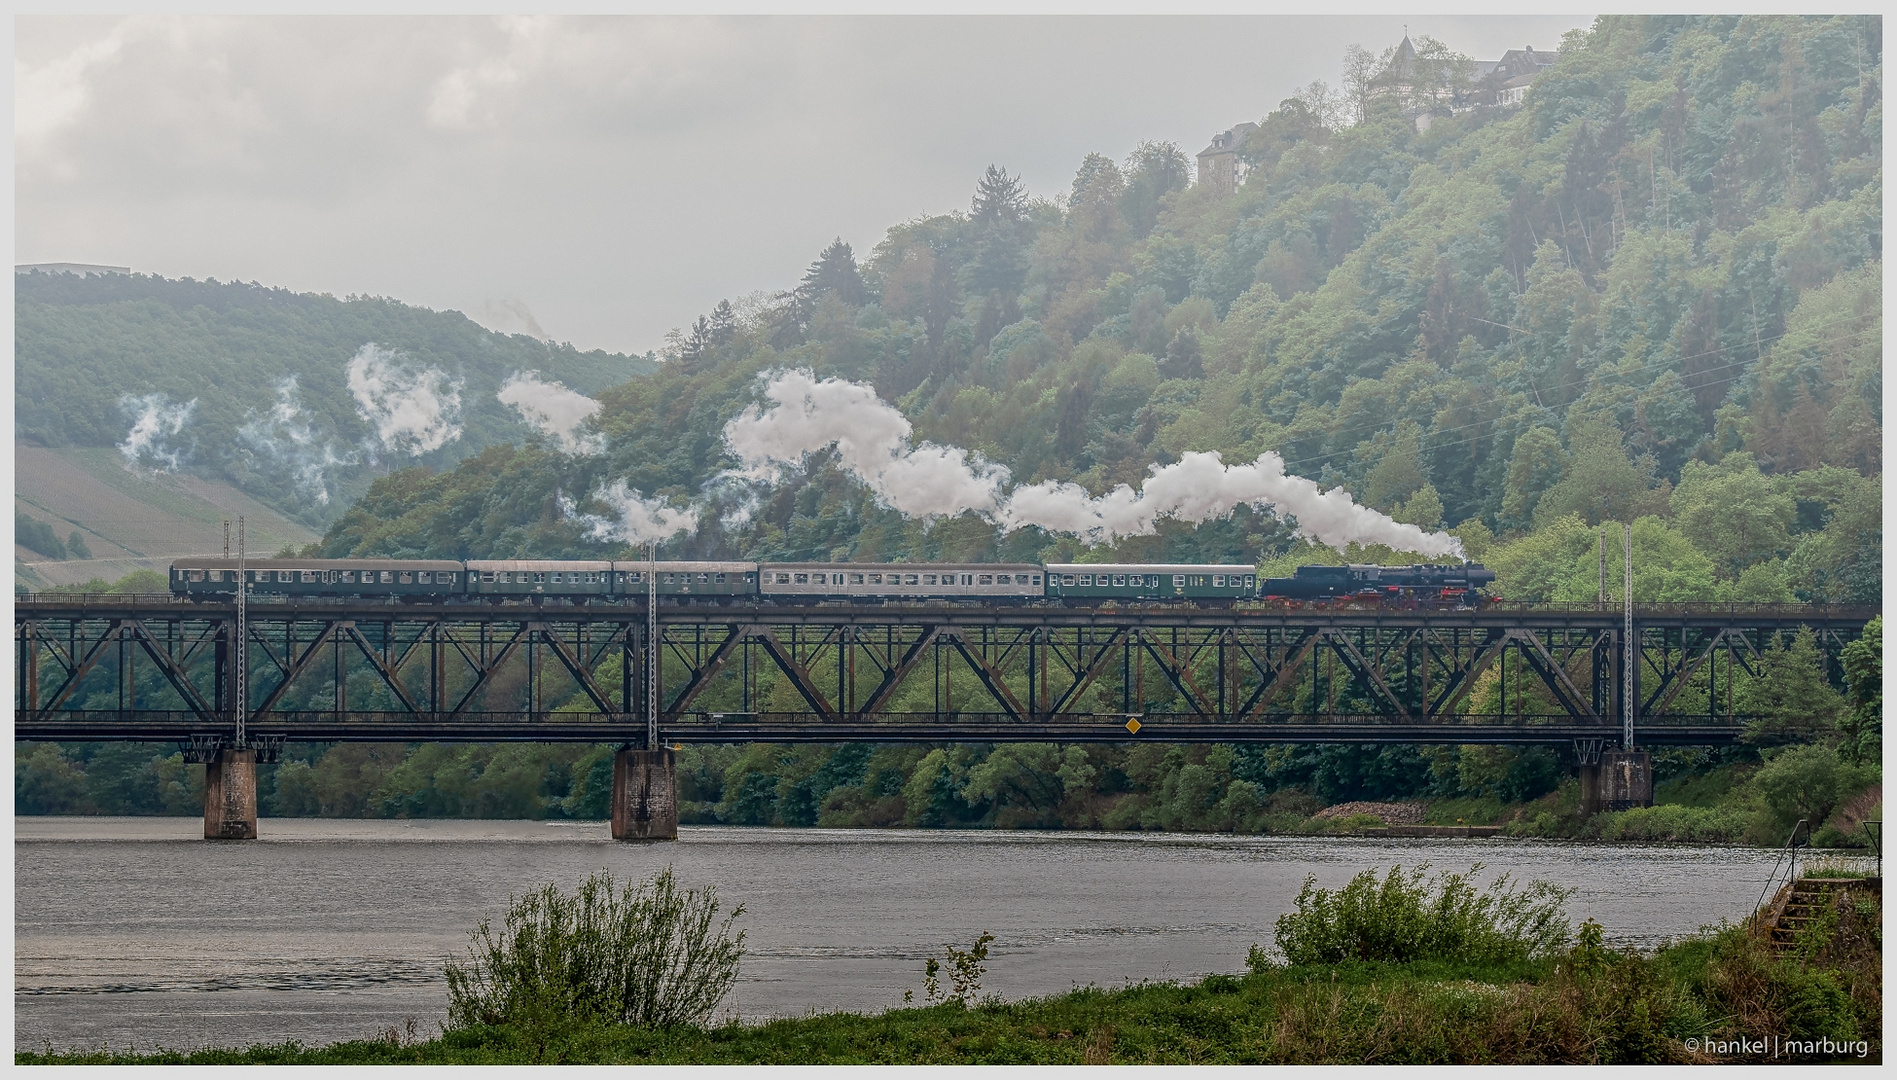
(1645, 611)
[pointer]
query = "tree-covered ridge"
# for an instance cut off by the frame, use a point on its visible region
(1522, 321)
(82, 344)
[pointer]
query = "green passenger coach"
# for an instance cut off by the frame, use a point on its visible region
(319, 577)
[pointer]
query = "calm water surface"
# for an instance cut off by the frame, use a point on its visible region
(131, 932)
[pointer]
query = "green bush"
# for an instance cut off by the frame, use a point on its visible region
(642, 955)
(1671, 824)
(1406, 917)
(1808, 782)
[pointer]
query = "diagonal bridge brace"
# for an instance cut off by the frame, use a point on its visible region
(991, 679)
(704, 673)
(1671, 684)
(1177, 673)
(1552, 673)
(799, 675)
(1370, 673)
(892, 677)
(1088, 671)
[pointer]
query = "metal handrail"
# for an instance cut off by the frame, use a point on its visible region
(1647, 610)
(1789, 850)
(1470, 720)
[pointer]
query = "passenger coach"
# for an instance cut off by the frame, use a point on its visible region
(896, 581)
(1076, 582)
(320, 577)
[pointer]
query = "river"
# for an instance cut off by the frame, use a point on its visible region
(133, 933)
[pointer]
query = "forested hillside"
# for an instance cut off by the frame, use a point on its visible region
(1652, 291)
(1651, 294)
(250, 384)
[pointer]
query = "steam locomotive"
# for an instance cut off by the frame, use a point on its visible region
(1459, 585)
(588, 581)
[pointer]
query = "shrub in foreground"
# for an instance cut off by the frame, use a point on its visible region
(1407, 917)
(645, 955)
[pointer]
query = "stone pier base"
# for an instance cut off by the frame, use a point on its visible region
(230, 796)
(1621, 781)
(645, 795)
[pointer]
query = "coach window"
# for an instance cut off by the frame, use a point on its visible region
(856, 579)
(1037, 579)
(718, 578)
(1218, 581)
(425, 578)
(876, 579)
(541, 576)
(1179, 581)
(800, 579)
(908, 579)
(407, 578)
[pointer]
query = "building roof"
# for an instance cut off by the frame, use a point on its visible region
(1229, 140)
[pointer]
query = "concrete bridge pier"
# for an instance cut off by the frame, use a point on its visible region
(230, 796)
(645, 795)
(1619, 780)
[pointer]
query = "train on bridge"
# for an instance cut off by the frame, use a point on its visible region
(1460, 585)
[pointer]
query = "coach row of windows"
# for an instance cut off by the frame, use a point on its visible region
(329, 577)
(791, 578)
(1179, 581)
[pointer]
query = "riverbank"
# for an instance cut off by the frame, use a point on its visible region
(1718, 998)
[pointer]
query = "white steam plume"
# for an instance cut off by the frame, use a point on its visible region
(1201, 487)
(637, 519)
(286, 435)
(154, 419)
(872, 441)
(555, 411)
(412, 412)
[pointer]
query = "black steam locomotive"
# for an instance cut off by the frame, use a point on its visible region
(1459, 585)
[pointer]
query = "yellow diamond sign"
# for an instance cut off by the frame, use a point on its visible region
(1133, 727)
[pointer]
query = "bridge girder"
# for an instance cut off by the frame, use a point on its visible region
(479, 672)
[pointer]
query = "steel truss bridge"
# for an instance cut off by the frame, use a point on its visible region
(153, 668)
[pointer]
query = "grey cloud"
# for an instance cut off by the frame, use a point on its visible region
(619, 175)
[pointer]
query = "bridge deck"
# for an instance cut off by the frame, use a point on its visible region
(159, 668)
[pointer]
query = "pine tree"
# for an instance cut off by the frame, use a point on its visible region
(724, 323)
(1000, 199)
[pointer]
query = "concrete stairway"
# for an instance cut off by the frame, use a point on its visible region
(1803, 901)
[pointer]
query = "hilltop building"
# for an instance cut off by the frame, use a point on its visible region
(1221, 169)
(1428, 89)
(1507, 80)
(1424, 94)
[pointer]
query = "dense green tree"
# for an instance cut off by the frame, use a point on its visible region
(1863, 728)
(1791, 696)
(1733, 512)
(1808, 782)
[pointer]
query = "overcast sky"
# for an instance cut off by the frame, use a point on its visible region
(611, 177)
